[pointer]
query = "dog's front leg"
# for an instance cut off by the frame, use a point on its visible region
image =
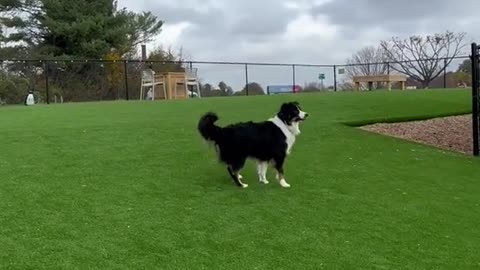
(262, 172)
(280, 172)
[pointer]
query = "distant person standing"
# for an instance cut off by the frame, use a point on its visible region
(29, 99)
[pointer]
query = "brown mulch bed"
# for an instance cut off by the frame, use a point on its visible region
(451, 133)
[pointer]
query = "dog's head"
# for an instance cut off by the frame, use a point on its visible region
(292, 115)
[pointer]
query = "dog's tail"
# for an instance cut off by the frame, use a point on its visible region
(207, 127)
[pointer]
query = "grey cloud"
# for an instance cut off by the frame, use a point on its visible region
(239, 18)
(233, 30)
(218, 33)
(261, 18)
(174, 15)
(362, 13)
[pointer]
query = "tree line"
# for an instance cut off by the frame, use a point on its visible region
(81, 29)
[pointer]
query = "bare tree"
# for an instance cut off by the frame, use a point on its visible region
(424, 58)
(367, 61)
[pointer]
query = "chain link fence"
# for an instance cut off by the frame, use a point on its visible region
(60, 81)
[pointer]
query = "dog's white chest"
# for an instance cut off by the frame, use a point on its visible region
(290, 142)
(286, 132)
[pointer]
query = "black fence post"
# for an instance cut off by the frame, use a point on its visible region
(445, 73)
(246, 79)
(190, 66)
(144, 52)
(125, 62)
(335, 78)
(475, 85)
(47, 83)
(293, 78)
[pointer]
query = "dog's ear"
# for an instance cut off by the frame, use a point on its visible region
(295, 103)
(282, 113)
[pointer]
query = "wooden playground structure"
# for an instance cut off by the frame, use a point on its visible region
(380, 78)
(167, 85)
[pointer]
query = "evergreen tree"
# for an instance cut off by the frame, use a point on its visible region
(76, 29)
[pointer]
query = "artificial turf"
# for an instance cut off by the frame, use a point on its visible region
(131, 185)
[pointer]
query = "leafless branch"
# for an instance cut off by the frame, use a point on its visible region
(424, 58)
(368, 61)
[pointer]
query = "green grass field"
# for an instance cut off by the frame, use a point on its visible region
(131, 185)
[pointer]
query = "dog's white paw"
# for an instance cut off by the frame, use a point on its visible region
(244, 185)
(284, 183)
(264, 181)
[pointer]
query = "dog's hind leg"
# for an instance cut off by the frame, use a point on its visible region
(234, 170)
(262, 167)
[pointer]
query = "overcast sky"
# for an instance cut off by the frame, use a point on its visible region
(295, 31)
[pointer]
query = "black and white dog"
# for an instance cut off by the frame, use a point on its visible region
(267, 142)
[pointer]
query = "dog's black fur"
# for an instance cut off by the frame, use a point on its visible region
(263, 141)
